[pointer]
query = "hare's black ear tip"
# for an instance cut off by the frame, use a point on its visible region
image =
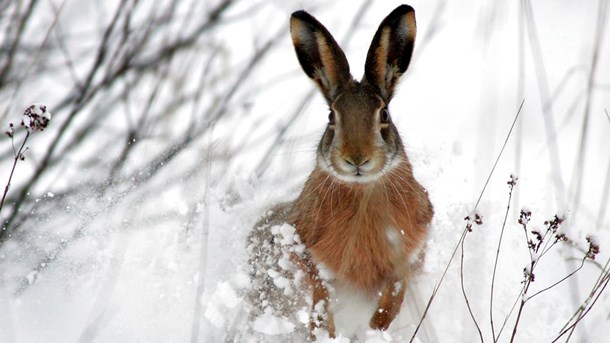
(300, 14)
(401, 10)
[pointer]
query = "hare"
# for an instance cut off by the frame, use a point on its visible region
(361, 214)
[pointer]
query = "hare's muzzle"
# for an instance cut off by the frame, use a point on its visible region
(357, 166)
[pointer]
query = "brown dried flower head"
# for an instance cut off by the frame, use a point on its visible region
(593, 247)
(36, 118)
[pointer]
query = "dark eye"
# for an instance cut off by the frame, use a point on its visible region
(384, 116)
(331, 118)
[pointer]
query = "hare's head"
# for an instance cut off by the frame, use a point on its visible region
(360, 143)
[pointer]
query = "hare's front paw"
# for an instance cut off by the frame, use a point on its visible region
(381, 320)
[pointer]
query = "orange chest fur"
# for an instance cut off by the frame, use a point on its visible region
(365, 236)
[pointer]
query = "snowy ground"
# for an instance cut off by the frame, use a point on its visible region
(134, 273)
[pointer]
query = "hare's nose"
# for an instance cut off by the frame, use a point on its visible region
(356, 161)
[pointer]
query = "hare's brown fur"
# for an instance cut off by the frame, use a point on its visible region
(351, 227)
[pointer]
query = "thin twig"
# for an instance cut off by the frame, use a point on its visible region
(528, 282)
(604, 273)
(507, 317)
(500, 154)
(597, 290)
(17, 157)
(582, 263)
(493, 276)
(464, 291)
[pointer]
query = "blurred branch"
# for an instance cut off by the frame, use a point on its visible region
(602, 14)
(547, 109)
(78, 104)
(16, 40)
(84, 92)
(129, 183)
(603, 204)
(203, 244)
(37, 51)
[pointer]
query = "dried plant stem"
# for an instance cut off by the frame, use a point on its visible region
(464, 291)
(507, 317)
(582, 263)
(500, 154)
(17, 157)
(522, 305)
(493, 275)
(597, 290)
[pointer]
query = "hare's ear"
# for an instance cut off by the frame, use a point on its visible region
(390, 51)
(319, 54)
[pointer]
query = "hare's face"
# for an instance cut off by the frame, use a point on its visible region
(360, 143)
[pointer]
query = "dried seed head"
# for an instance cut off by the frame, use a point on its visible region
(593, 247)
(553, 224)
(36, 118)
(528, 275)
(478, 219)
(561, 237)
(512, 182)
(524, 217)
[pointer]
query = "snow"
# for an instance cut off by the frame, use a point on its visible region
(227, 295)
(133, 273)
(272, 325)
(375, 336)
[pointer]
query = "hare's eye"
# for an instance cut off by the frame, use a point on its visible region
(384, 116)
(331, 119)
